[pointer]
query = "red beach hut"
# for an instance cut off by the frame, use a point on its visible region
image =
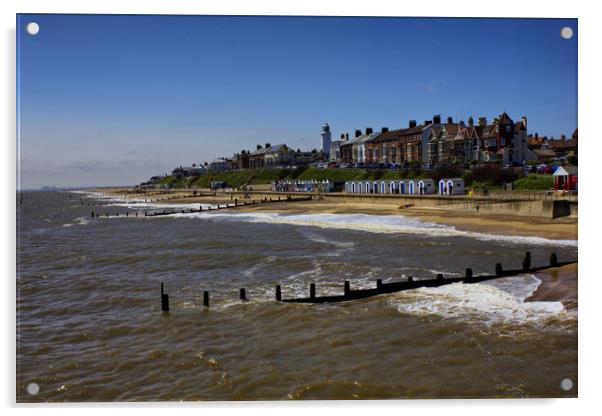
(565, 178)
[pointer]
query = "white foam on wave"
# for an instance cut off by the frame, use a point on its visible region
(384, 224)
(499, 301)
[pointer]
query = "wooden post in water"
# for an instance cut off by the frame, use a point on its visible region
(92, 214)
(346, 288)
(498, 269)
(243, 294)
(468, 273)
(553, 260)
(278, 293)
(164, 300)
(107, 215)
(439, 276)
(312, 291)
(410, 279)
(379, 284)
(527, 261)
(205, 298)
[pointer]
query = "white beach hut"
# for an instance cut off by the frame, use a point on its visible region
(383, 187)
(451, 186)
(392, 189)
(426, 187)
(411, 187)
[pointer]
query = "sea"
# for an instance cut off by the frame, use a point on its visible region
(90, 326)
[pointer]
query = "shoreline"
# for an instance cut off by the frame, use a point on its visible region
(558, 284)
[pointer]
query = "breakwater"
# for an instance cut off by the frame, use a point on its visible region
(381, 288)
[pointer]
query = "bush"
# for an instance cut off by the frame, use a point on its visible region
(492, 176)
(535, 181)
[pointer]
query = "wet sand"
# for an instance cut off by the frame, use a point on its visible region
(558, 284)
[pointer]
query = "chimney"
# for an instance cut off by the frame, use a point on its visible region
(369, 130)
(437, 119)
(450, 120)
(267, 145)
(470, 121)
(358, 133)
(427, 122)
(537, 135)
(346, 136)
(482, 121)
(342, 136)
(524, 120)
(258, 146)
(384, 130)
(412, 123)
(562, 137)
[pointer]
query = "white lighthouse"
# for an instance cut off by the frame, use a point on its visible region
(326, 140)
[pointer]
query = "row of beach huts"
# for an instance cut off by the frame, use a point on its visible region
(445, 186)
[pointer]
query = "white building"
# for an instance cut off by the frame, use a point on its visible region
(218, 165)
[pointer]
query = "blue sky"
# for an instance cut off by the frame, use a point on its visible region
(109, 100)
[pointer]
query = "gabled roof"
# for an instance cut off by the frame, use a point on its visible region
(451, 130)
(536, 141)
(565, 170)
(505, 119)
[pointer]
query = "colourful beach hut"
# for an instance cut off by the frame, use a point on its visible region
(402, 187)
(451, 186)
(565, 178)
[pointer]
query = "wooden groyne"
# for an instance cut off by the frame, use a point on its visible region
(410, 283)
(216, 207)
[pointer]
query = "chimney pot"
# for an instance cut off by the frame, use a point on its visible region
(450, 120)
(437, 119)
(412, 123)
(384, 130)
(358, 133)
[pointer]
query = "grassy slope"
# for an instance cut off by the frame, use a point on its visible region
(265, 176)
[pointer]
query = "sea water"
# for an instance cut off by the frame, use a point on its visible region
(89, 325)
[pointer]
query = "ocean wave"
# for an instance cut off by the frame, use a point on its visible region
(383, 224)
(496, 302)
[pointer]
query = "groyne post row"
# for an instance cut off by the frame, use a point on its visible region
(235, 204)
(384, 288)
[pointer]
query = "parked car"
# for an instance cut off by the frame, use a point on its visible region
(333, 165)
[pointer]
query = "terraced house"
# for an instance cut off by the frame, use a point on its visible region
(504, 140)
